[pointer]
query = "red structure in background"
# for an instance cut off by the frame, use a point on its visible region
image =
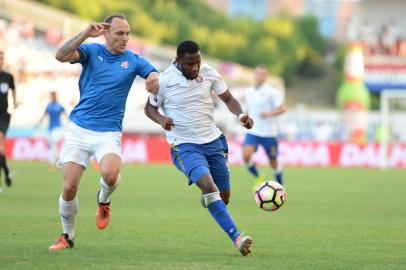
(154, 149)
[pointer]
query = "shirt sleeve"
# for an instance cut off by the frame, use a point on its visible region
(84, 51)
(276, 99)
(12, 85)
(156, 100)
(219, 86)
(144, 68)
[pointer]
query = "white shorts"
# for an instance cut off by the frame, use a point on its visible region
(80, 144)
(55, 135)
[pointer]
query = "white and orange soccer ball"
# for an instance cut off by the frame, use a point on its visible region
(270, 195)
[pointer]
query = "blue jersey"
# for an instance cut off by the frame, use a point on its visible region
(54, 110)
(104, 85)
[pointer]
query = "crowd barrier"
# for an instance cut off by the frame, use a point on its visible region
(155, 149)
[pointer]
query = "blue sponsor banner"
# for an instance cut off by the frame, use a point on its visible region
(378, 77)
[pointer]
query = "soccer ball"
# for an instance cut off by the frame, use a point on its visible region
(270, 195)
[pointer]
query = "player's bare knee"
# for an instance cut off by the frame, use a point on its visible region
(247, 158)
(208, 188)
(69, 191)
(225, 196)
(207, 185)
(110, 177)
(274, 163)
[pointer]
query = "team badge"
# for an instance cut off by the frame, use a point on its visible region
(124, 64)
(199, 78)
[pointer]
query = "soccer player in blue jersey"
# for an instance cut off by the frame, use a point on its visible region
(54, 110)
(198, 147)
(108, 71)
(263, 103)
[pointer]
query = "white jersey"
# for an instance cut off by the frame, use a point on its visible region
(189, 104)
(259, 100)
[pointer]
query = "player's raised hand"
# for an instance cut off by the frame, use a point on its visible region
(96, 29)
(167, 123)
(151, 83)
(246, 121)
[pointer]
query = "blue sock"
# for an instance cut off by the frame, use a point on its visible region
(253, 169)
(220, 213)
(279, 177)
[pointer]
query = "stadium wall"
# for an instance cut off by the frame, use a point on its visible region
(154, 149)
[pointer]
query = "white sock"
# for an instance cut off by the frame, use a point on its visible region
(106, 190)
(68, 211)
(279, 169)
(211, 197)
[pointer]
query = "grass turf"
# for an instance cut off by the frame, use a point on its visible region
(332, 219)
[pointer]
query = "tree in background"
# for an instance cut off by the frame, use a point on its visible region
(286, 45)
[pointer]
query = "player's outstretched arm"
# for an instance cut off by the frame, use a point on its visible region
(235, 107)
(153, 114)
(151, 82)
(68, 51)
(40, 120)
(14, 95)
(232, 104)
(279, 110)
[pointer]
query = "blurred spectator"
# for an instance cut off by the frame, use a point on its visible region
(388, 41)
(369, 38)
(290, 130)
(27, 30)
(396, 32)
(384, 39)
(53, 36)
(322, 132)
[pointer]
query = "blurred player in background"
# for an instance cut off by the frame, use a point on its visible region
(6, 83)
(54, 110)
(263, 104)
(108, 71)
(198, 147)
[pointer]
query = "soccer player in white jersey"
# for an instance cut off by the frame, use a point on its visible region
(198, 147)
(108, 71)
(263, 104)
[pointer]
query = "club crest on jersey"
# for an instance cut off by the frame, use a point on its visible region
(199, 79)
(124, 64)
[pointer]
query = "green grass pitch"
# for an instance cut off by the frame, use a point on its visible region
(332, 219)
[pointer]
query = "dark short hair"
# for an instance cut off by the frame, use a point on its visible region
(187, 46)
(110, 17)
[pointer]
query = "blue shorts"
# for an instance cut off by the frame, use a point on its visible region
(196, 160)
(270, 144)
